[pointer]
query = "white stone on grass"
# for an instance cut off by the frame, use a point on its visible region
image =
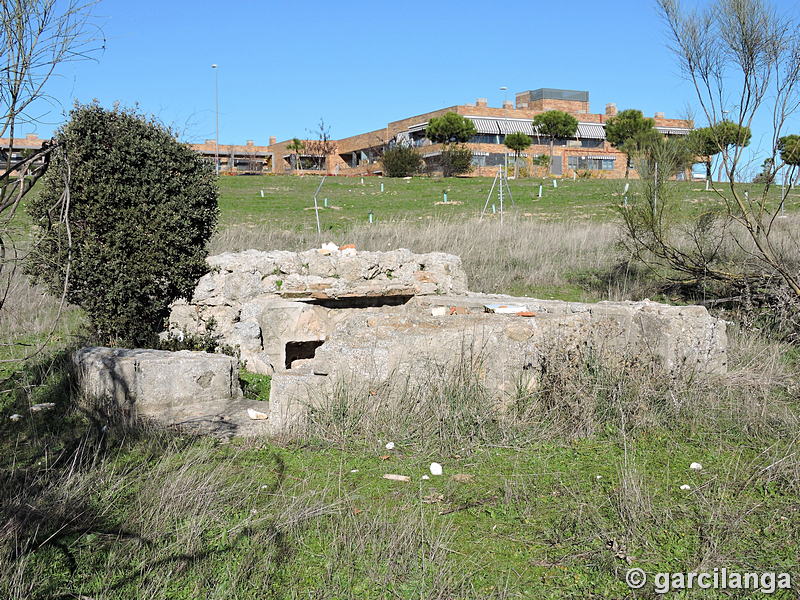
(686, 487)
(390, 445)
(436, 468)
(257, 415)
(696, 466)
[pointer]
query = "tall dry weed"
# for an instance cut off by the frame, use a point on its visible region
(508, 258)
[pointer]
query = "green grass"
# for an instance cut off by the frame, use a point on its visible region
(254, 385)
(106, 510)
(128, 512)
(288, 200)
(529, 523)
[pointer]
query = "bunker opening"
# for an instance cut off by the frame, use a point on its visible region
(361, 301)
(300, 351)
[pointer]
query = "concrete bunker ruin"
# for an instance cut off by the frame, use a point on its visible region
(315, 318)
(311, 318)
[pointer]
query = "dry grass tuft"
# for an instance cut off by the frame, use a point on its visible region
(575, 396)
(501, 259)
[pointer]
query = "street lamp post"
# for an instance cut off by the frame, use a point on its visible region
(216, 110)
(504, 89)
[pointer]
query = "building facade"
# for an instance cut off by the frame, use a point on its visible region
(587, 151)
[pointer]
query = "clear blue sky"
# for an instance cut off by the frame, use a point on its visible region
(283, 65)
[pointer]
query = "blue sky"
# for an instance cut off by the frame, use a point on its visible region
(358, 65)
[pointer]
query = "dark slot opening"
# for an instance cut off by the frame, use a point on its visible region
(360, 301)
(300, 350)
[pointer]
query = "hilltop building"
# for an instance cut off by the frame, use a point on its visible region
(360, 154)
(588, 150)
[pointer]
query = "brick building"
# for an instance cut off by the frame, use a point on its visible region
(360, 154)
(588, 150)
(233, 158)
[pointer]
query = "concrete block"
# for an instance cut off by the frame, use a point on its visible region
(167, 386)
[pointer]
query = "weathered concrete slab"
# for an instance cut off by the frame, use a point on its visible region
(167, 386)
(675, 336)
(506, 351)
(325, 274)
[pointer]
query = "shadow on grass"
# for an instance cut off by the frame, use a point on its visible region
(65, 475)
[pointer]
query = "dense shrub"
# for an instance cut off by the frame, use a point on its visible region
(141, 208)
(401, 161)
(456, 159)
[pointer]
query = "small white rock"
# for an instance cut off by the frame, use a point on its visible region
(425, 477)
(695, 466)
(15, 417)
(504, 309)
(390, 445)
(439, 311)
(686, 487)
(598, 477)
(42, 406)
(257, 415)
(436, 468)
(354, 470)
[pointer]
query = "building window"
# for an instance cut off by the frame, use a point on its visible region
(311, 163)
(590, 164)
(484, 138)
(543, 141)
(495, 160)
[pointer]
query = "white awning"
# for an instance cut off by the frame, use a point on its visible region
(673, 130)
(418, 127)
(515, 126)
(483, 125)
(478, 153)
(592, 131)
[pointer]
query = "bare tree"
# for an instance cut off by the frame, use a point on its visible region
(743, 59)
(322, 146)
(36, 37)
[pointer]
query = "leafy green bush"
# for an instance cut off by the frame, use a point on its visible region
(401, 161)
(456, 160)
(130, 235)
